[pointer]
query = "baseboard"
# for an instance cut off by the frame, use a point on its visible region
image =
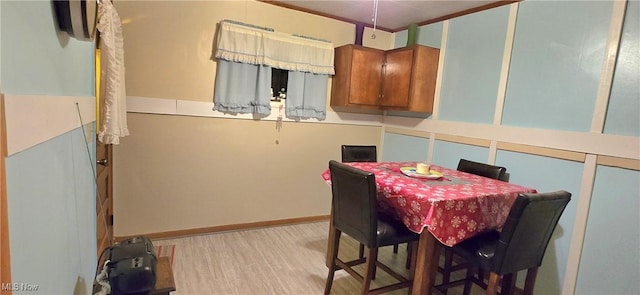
(223, 228)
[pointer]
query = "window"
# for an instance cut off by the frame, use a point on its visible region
(279, 80)
(257, 65)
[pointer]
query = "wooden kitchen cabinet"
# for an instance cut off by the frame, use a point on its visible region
(396, 84)
(399, 79)
(358, 77)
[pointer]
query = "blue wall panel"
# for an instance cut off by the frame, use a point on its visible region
(556, 61)
(401, 148)
(610, 262)
(35, 60)
(448, 154)
(555, 69)
(52, 215)
(51, 195)
(623, 114)
(472, 65)
(545, 175)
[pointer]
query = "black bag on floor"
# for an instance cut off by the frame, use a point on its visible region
(132, 266)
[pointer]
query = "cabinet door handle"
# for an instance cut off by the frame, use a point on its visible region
(103, 162)
(384, 74)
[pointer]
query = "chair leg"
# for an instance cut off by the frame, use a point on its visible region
(333, 254)
(395, 249)
(508, 284)
(468, 281)
(375, 270)
(373, 275)
(492, 287)
(407, 264)
(446, 268)
(361, 255)
(481, 275)
(372, 257)
(412, 256)
(530, 281)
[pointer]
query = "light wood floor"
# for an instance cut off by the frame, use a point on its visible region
(275, 260)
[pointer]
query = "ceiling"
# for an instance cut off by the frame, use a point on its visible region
(393, 15)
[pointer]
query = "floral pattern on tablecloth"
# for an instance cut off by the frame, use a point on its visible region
(453, 209)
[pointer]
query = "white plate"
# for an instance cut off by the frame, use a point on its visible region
(411, 172)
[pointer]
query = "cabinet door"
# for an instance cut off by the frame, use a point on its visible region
(397, 78)
(366, 77)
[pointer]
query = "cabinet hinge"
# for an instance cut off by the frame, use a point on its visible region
(111, 220)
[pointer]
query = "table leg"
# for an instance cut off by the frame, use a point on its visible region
(426, 263)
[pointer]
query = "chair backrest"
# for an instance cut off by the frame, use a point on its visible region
(527, 231)
(482, 169)
(359, 153)
(354, 204)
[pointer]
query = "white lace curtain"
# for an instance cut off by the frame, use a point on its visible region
(113, 110)
(246, 54)
(260, 46)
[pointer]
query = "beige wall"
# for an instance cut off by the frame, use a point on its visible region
(168, 44)
(178, 172)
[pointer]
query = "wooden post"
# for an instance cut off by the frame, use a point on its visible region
(5, 261)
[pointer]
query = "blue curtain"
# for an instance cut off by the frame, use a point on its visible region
(306, 95)
(247, 53)
(242, 88)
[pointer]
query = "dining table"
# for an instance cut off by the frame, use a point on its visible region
(446, 206)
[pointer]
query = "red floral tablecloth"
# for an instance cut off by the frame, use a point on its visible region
(454, 208)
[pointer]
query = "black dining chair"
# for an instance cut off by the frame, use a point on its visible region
(355, 213)
(359, 153)
(520, 245)
(363, 153)
(480, 169)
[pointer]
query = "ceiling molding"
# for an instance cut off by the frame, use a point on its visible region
(391, 30)
(319, 13)
(465, 12)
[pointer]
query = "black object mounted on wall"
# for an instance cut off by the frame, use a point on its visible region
(77, 18)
